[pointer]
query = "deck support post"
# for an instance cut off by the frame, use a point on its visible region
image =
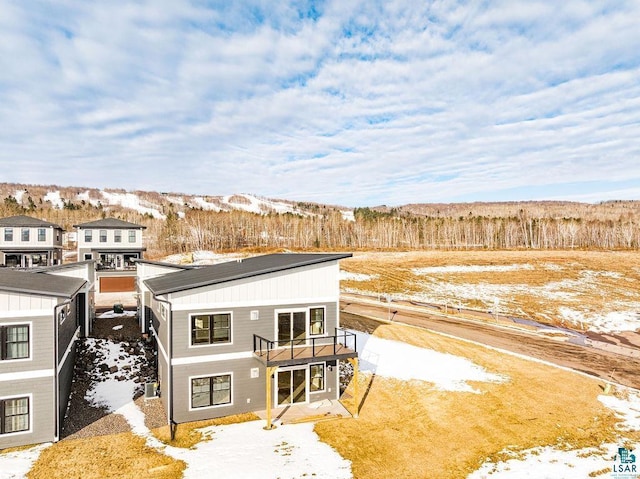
(356, 402)
(270, 371)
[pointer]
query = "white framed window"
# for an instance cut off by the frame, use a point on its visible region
(103, 236)
(14, 342)
(25, 234)
(132, 236)
(255, 315)
(117, 236)
(8, 234)
(15, 414)
(317, 379)
(88, 256)
(210, 328)
(317, 321)
(88, 236)
(42, 234)
(211, 391)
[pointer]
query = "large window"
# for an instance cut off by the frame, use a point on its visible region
(42, 234)
(316, 377)
(14, 342)
(14, 415)
(316, 321)
(8, 234)
(88, 236)
(211, 328)
(132, 236)
(211, 391)
(103, 236)
(25, 234)
(117, 236)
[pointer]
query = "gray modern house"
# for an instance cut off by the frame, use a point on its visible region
(247, 335)
(27, 242)
(40, 319)
(115, 245)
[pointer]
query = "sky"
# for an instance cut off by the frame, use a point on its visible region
(347, 102)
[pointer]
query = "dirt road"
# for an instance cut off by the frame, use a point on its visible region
(602, 364)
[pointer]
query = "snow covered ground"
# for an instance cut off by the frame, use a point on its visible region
(553, 463)
(15, 465)
(447, 372)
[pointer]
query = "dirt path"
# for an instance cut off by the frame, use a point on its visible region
(602, 364)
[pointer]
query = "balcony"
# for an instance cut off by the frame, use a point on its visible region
(307, 350)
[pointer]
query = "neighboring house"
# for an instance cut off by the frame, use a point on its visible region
(40, 318)
(115, 245)
(26, 242)
(227, 333)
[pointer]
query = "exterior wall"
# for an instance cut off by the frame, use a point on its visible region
(53, 238)
(242, 327)
(41, 414)
(306, 284)
(35, 375)
(145, 271)
(96, 244)
(86, 271)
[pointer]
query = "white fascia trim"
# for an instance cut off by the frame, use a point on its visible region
(75, 337)
(303, 302)
(210, 358)
(26, 313)
(159, 343)
(36, 374)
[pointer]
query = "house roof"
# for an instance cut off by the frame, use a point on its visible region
(234, 270)
(110, 223)
(40, 284)
(166, 265)
(26, 221)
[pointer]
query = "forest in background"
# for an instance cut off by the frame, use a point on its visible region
(501, 225)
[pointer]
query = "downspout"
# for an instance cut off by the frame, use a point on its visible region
(172, 424)
(56, 385)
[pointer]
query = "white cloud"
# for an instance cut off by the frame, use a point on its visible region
(370, 103)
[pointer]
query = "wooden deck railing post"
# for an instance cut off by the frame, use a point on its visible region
(270, 372)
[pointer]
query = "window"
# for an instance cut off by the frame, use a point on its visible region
(88, 236)
(103, 236)
(211, 328)
(14, 342)
(25, 234)
(132, 236)
(316, 321)
(211, 391)
(14, 415)
(117, 236)
(88, 256)
(316, 373)
(42, 234)
(8, 234)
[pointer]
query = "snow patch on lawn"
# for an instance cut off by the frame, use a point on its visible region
(471, 269)
(54, 198)
(16, 465)
(395, 359)
(348, 276)
(549, 462)
(613, 321)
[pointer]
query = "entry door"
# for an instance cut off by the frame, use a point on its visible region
(291, 327)
(292, 386)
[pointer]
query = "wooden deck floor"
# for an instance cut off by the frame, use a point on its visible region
(305, 354)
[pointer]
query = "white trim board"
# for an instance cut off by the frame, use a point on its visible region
(35, 374)
(211, 358)
(284, 302)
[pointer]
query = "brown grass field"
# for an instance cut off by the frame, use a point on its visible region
(589, 282)
(412, 430)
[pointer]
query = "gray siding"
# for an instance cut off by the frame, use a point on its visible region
(41, 336)
(65, 379)
(242, 328)
(248, 394)
(41, 411)
(68, 328)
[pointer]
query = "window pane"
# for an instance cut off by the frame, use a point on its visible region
(200, 392)
(88, 234)
(103, 236)
(8, 234)
(25, 234)
(221, 328)
(17, 342)
(316, 325)
(16, 415)
(132, 236)
(200, 330)
(317, 377)
(117, 236)
(221, 389)
(42, 234)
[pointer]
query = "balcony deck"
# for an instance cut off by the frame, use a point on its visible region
(304, 351)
